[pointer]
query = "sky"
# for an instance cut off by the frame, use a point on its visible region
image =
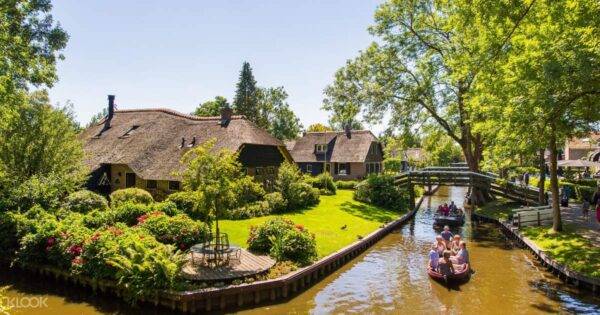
(178, 54)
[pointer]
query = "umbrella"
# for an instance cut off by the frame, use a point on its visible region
(578, 163)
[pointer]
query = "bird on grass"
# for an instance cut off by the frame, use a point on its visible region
(345, 226)
(359, 237)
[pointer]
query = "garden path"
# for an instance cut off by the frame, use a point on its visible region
(588, 227)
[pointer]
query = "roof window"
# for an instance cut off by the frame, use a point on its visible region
(130, 131)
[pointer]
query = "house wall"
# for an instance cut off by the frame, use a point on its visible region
(317, 168)
(577, 154)
(118, 181)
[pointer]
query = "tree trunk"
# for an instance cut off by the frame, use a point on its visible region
(478, 195)
(556, 222)
(542, 182)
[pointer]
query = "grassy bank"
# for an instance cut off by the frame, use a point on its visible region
(568, 248)
(498, 209)
(324, 220)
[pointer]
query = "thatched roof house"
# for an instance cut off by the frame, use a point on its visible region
(345, 154)
(143, 147)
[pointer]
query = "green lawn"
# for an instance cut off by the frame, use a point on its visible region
(498, 209)
(568, 248)
(324, 220)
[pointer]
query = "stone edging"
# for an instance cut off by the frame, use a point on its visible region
(563, 272)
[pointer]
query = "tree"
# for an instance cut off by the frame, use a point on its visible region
(31, 43)
(424, 64)
(318, 127)
(214, 175)
(41, 158)
(551, 79)
(281, 121)
(440, 149)
(212, 107)
(246, 97)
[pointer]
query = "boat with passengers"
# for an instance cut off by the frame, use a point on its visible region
(449, 215)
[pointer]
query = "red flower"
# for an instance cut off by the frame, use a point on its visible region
(50, 242)
(299, 227)
(75, 250)
(95, 237)
(78, 261)
(182, 246)
(142, 218)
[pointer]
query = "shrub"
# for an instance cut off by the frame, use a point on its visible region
(190, 202)
(179, 230)
(284, 241)
(130, 195)
(301, 195)
(128, 213)
(393, 165)
(256, 209)
(133, 257)
(247, 191)
(13, 226)
(346, 184)
(84, 201)
(96, 219)
(276, 202)
(585, 192)
(259, 238)
(296, 245)
(324, 182)
(167, 207)
(34, 245)
(380, 190)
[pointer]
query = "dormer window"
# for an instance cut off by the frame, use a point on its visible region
(130, 131)
(321, 148)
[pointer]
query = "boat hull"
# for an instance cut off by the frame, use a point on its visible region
(462, 274)
(449, 220)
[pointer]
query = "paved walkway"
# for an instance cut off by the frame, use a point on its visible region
(588, 228)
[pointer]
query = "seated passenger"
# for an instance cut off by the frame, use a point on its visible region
(445, 264)
(439, 209)
(455, 244)
(453, 207)
(445, 209)
(462, 257)
(440, 245)
(434, 257)
(446, 235)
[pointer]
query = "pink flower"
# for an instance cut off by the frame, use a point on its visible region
(75, 250)
(50, 242)
(78, 261)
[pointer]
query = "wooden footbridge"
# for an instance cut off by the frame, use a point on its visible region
(461, 176)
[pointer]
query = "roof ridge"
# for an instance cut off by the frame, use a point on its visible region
(340, 131)
(176, 113)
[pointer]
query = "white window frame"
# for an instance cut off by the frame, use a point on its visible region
(309, 168)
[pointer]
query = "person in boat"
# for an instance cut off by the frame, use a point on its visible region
(445, 209)
(439, 210)
(434, 257)
(462, 257)
(455, 244)
(445, 265)
(439, 245)
(453, 207)
(446, 235)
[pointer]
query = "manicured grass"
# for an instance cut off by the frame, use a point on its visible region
(324, 220)
(568, 248)
(498, 209)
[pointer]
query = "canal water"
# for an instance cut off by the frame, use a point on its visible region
(388, 278)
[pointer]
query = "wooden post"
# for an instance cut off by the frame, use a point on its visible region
(411, 191)
(539, 222)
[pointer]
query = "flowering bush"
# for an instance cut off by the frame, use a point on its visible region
(96, 218)
(84, 201)
(179, 230)
(260, 236)
(190, 202)
(13, 226)
(130, 195)
(129, 213)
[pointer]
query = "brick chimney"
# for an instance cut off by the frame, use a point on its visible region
(226, 113)
(111, 111)
(348, 129)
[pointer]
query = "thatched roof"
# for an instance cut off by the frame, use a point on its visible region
(153, 150)
(341, 148)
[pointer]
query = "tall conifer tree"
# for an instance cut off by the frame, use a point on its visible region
(246, 96)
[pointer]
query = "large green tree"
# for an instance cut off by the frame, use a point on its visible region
(246, 100)
(318, 127)
(423, 66)
(30, 44)
(212, 107)
(279, 118)
(548, 85)
(41, 159)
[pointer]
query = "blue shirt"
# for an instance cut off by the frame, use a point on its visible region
(446, 235)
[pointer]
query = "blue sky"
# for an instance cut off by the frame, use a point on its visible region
(177, 54)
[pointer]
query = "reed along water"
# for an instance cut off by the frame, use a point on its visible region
(390, 277)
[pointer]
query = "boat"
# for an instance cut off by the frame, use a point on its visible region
(451, 220)
(462, 273)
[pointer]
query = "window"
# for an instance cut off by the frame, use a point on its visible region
(321, 147)
(151, 184)
(173, 185)
(130, 131)
(129, 180)
(343, 169)
(309, 168)
(259, 171)
(373, 168)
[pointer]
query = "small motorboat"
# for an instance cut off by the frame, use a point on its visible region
(451, 220)
(461, 273)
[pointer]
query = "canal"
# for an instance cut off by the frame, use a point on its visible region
(389, 277)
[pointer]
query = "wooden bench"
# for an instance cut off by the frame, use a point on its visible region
(529, 217)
